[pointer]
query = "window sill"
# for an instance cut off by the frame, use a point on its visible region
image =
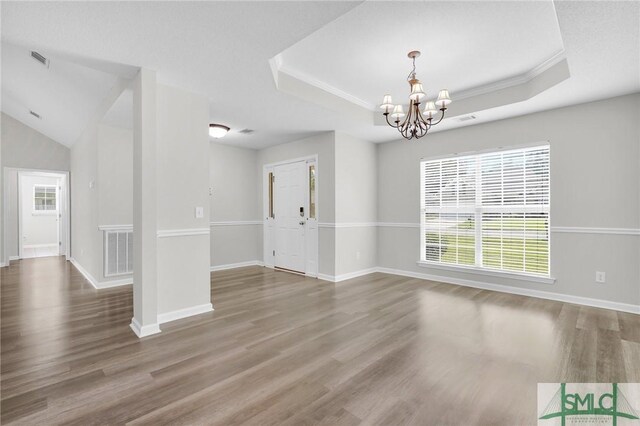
(488, 272)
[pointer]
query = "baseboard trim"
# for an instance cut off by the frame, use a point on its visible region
(184, 313)
(39, 246)
(14, 258)
(84, 272)
(3, 265)
(144, 331)
(578, 300)
(347, 276)
(97, 284)
(115, 283)
(236, 265)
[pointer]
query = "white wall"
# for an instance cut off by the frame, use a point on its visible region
(234, 181)
(595, 182)
(324, 146)
(23, 147)
(356, 204)
(38, 228)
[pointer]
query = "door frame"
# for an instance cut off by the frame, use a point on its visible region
(311, 232)
(65, 209)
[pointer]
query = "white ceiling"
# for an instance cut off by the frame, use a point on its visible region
(65, 95)
(223, 50)
(465, 45)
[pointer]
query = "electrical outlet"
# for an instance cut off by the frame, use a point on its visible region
(199, 212)
(600, 277)
(357, 255)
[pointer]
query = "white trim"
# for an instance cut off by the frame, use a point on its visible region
(115, 227)
(584, 230)
(528, 145)
(236, 223)
(326, 87)
(313, 157)
(398, 225)
(484, 271)
(144, 331)
(3, 265)
(277, 67)
(97, 284)
(347, 276)
(115, 283)
(84, 272)
(512, 81)
(164, 233)
(347, 224)
(236, 265)
(40, 245)
(605, 304)
(14, 258)
(184, 313)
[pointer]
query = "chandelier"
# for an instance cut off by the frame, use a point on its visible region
(417, 123)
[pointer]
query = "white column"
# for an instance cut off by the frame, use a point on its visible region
(145, 264)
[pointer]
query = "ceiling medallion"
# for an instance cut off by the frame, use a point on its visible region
(416, 123)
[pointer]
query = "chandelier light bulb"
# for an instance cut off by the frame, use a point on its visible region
(430, 110)
(443, 98)
(387, 104)
(398, 112)
(417, 92)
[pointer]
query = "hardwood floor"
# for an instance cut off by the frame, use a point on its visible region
(287, 350)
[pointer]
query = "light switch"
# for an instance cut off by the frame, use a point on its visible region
(199, 212)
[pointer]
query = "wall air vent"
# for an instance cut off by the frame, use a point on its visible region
(467, 118)
(35, 114)
(246, 131)
(38, 57)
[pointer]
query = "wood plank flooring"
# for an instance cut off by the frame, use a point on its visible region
(281, 349)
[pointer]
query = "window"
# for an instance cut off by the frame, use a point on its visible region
(487, 210)
(312, 191)
(44, 198)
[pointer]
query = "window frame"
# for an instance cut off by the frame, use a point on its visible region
(477, 211)
(37, 212)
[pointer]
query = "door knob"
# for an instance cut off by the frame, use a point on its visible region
(301, 222)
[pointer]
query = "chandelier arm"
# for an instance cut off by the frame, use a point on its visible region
(386, 116)
(441, 117)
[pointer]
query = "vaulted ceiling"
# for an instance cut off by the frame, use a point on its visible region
(291, 69)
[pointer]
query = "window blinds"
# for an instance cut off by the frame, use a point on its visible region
(488, 210)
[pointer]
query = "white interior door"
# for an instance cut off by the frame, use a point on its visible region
(290, 189)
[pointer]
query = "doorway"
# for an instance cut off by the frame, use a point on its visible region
(36, 214)
(291, 219)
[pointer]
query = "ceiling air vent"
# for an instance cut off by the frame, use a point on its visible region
(38, 57)
(467, 118)
(246, 131)
(35, 114)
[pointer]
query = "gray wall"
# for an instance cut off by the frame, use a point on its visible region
(23, 147)
(595, 182)
(235, 186)
(86, 240)
(356, 204)
(182, 181)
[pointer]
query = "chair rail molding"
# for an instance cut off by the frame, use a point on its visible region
(165, 233)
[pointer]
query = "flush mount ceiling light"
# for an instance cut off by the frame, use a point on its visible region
(217, 130)
(416, 123)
